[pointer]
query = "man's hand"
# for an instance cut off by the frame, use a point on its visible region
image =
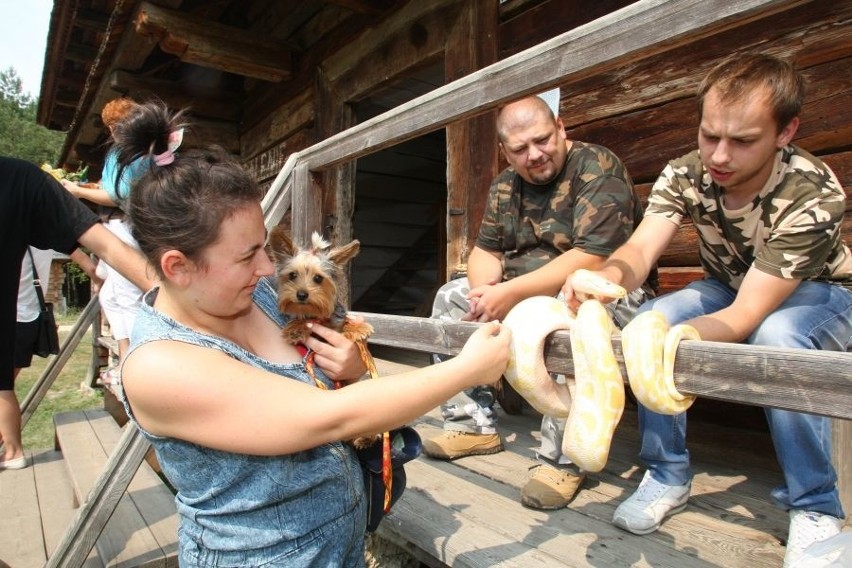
(490, 302)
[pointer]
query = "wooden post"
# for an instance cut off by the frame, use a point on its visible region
(471, 144)
(335, 115)
(841, 455)
(307, 205)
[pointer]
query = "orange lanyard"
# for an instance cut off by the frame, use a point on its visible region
(367, 358)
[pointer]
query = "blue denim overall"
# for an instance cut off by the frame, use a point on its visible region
(301, 509)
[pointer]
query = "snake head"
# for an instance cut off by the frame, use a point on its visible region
(588, 284)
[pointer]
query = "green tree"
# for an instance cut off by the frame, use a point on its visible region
(20, 136)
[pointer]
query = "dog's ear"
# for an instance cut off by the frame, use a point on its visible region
(281, 245)
(341, 255)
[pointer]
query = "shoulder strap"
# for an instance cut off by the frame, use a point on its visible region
(36, 281)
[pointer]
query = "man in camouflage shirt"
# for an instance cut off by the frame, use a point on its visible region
(560, 206)
(777, 273)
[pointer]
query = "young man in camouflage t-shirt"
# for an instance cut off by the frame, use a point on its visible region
(560, 206)
(777, 273)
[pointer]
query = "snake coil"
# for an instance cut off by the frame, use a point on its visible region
(649, 346)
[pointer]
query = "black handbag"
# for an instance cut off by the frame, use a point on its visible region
(405, 446)
(47, 342)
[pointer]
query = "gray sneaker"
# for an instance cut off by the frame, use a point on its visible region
(653, 501)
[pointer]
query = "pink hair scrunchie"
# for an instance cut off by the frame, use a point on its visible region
(167, 157)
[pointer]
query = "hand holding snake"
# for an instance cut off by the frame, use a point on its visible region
(649, 347)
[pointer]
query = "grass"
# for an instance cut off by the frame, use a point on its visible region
(68, 392)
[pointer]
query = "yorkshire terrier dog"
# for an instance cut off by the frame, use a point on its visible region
(308, 282)
(307, 291)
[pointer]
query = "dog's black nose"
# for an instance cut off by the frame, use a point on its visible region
(301, 296)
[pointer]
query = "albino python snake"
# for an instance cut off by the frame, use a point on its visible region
(594, 407)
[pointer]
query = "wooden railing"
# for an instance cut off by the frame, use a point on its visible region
(640, 30)
(37, 392)
(816, 382)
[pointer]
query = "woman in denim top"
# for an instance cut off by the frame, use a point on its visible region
(252, 446)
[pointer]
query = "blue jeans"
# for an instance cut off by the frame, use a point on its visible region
(816, 316)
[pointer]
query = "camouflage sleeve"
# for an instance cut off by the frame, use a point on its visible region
(666, 198)
(491, 228)
(804, 233)
(604, 215)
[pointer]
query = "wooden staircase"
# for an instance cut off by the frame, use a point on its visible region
(41, 501)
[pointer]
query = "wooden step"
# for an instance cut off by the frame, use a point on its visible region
(143, 529)
(37, 507)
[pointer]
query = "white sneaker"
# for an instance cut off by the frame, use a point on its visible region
(806, 528)
(643, 512)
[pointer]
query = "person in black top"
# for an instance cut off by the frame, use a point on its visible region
(35, 210)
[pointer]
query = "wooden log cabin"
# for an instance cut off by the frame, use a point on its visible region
(374, 119)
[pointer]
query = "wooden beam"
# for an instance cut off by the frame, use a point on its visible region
(210, 44)
(471, 144)
(643, 29)
(803, 380)
(91, 20)
(81, 53)
(38, 391)
(222, 106)
(307, 206)
(372, 7)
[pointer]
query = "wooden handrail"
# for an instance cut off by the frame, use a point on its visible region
(803, 380)
(38, 391)
(640, 30)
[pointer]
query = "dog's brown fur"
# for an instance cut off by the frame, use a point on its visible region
(308, 282)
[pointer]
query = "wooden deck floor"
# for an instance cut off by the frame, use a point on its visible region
(467, 512)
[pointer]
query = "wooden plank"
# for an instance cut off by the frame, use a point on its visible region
(210, 44)
(153, 499)
(307, 205)
(648, 137)
(549, 18)
(106, 498)
(729, 521)
(21, 538)
(673, 278)
(56, 501)
(841, 454)
(125, 539)
(471, 144)
(808, 34)
(278, 198)
(467, 513)
(817, 382)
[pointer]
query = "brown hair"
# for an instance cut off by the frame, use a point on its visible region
(116, 110)
(180, 205)
(740, 74)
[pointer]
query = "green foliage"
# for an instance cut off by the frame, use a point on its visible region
(20, 136)
(75, 274)
(65, 394)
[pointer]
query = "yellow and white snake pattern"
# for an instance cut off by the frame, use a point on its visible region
(649, 346)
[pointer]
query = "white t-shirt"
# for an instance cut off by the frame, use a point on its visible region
(28, 306)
